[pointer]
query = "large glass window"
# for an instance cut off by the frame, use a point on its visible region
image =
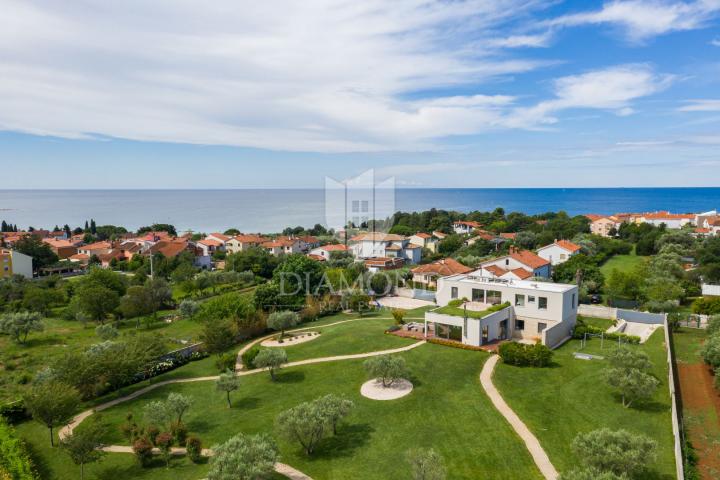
(493, 297)
(531, 299)
(455, 333)
(453, 292)
(542, 303)
(573, 301)
(478, 295)
(519, 300)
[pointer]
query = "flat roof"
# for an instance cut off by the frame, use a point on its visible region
(525, 284)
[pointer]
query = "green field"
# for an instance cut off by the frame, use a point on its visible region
(624, 263)
(447, 409)
(571, 397)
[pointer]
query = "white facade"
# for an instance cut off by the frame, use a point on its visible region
(555, 254)
(15, 263)
(379, 245)
(538, 311)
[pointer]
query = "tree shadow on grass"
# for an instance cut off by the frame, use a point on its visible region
(348, 439)
(643, 406)
(38, 462)
(290, 376)
(246, 403)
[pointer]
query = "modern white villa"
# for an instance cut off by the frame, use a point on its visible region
(534, 311)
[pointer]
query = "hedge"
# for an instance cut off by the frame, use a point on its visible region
(520, 354)
(451, 343)
(581, 329)
(15, 461)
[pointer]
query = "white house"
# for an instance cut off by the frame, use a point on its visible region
(385, 245)
(603, 224)
(517, 265)
(239, 243)
(218, 237)
(287, 246)
(326, 250)
(208, 246)
(462, 227)
(537, 311)
(558, 252)
(670, 220)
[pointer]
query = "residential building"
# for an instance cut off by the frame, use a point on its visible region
(558, 252)
(281, 245)
(379, 264)
(308, 242)
(670, 220)
(463, 227)
(429, 273)
(240, 243)
(537, 311)
(218, 237)
(209, 246)
(97, 248)
(517, 265)
(62, 248)
(603, 225)
(425, 240)
(700, 218)
(325, 252)
(13, 262)
(385, 245)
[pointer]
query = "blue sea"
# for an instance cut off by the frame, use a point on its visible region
(271, 210)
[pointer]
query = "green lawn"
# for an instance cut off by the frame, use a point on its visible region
(358, 336)
(603, 323)
(571, 397)
(688, 342)
(446, 411)
(624, 263)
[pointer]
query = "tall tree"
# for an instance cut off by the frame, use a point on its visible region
(272, 359)
(83, 445)
(51, 403)
(282, 321)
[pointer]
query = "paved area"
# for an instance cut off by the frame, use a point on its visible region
(531, 442)
(403, 303)
(374, 390)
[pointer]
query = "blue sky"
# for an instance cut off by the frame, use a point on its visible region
(494, 93)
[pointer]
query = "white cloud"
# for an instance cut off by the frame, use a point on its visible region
(323, 76)
(610, 89)
(707, 105)
(642, 19)
(715, 42)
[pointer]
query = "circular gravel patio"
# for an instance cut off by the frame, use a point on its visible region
(301, 337)
(374, 390)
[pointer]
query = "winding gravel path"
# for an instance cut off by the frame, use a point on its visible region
(538, 454)
(280, 468)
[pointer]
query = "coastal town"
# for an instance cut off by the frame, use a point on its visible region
(529, 290)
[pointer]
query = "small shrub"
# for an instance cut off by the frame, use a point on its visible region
(457, 302)
(164, 442)
(399, 315)
(393, 328)
(194, 449)
(454, 344)
(226, 361)
(143, 451)
(179, 432)
(249, 356)
(152, 432)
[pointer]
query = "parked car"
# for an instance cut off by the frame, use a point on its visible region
(595, 298)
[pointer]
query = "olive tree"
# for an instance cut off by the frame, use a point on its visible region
(334, 408)
(83, 445)
(629, 374)
(243, 457)
(51, 403)
(387, 368)
(188, 308)
(177, 404)
(272, 359)
(426, 464)
(19, 324)
(306, 424)
(282, 321)
(227, 382)
(620, 452)
(157, 413)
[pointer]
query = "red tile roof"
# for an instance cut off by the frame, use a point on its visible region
(522, 273)
(250, 238)
(210, 242)
(169, 248)
(443, 268)
(335, 248)
(526, 257)
(221, 236)
(468, 223)
(567, 245)
(319, 258)
(423, 235)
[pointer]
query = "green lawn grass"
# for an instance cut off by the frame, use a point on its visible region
(447, 411)
(572, 397)
(603, 323)
(688, 342)
(624, 263)
(357, 336)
